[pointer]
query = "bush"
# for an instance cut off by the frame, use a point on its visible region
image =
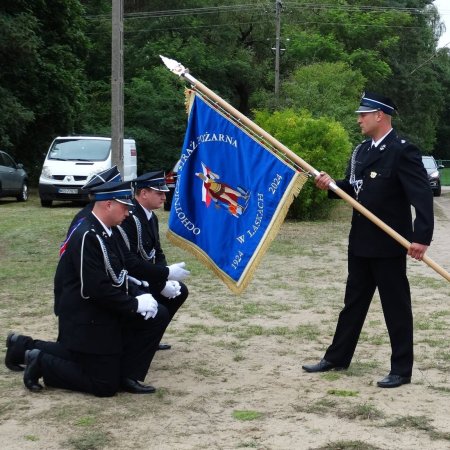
(323, 143)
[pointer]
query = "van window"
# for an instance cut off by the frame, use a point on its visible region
(80, 150)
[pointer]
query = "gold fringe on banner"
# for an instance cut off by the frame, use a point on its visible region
(273, 228)
(189, 96)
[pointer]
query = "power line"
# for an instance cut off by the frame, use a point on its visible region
(264, 7)
(193, 27)
(181, 12)
(259, 9)
(361, 8)
(146, 30)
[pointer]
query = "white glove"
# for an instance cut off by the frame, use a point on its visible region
(149, 314)
(137, 282)
(172, 289)
(177, 273)
(147, 306)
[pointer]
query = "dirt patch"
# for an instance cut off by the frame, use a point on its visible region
(233, 378)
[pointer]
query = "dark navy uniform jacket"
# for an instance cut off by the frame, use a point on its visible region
(143, 236)
(90, 303)
(394, 179)
(155, 275)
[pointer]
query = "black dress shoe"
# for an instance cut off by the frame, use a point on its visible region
(392, 381)
(322, 366)
(135, 387)
(164, 347)
(32, 370)
(14, 355)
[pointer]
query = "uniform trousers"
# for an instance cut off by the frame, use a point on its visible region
(364, 276)
(136, 357)
(100, 375)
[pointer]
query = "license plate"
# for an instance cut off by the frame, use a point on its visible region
(68, 191)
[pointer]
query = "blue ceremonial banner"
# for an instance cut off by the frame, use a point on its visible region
(231, 196)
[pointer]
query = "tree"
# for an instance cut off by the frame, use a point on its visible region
(56, 66)
(326, 90)
(442, 147)
(416, 85)
(156, 118)
(222, 54)
(322, 142)
(19, 46)
(42, 54)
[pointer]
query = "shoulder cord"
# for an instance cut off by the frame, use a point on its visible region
(357, 184)
(141, 249)
(123, 273)
(124, 236)
(81, 267)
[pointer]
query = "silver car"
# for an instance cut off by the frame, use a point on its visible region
(13, 178)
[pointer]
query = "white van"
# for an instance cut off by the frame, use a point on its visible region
(72, 160)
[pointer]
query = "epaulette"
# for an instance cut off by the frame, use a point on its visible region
(401, 139)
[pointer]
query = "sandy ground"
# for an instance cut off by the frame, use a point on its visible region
(232, 354)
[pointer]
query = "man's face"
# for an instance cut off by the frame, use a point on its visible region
(369, 122)
(118, 212)
(151, 199)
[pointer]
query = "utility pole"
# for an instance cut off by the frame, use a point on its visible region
(117, 85)
(278, 6)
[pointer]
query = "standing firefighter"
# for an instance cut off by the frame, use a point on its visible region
(386, 175)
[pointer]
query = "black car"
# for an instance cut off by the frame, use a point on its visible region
(13, 178)
(434, 176)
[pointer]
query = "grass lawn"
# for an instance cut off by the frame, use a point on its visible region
(445, 176)
(233, 377)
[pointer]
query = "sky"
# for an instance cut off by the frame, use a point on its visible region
(443, 7)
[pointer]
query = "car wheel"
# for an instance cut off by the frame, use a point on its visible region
(46, 203)
(437, 191)
(23, 196)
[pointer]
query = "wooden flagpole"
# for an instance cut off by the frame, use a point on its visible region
(181, 71)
